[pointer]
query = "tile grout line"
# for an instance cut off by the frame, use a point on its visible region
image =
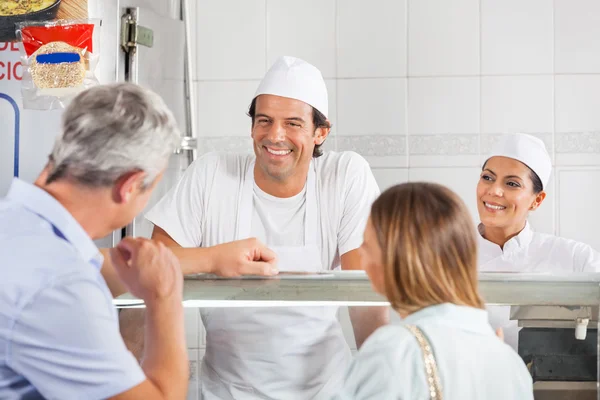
(480, 78)
(266, 3)
(220, 80)
(407, 92)
(555, 213)
(337, 73)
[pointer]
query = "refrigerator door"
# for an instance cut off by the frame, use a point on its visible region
(157, 62)
(27, 136)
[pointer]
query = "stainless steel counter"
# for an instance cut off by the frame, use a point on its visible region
(354, 288)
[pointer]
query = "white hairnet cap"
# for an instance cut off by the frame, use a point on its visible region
(527, 149)
(296, 79)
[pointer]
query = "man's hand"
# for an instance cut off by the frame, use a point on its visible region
(243, 257)
(148, 269)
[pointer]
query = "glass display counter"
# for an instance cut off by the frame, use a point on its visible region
(557, 313)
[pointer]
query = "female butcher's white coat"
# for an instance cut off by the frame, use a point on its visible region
(531, 252)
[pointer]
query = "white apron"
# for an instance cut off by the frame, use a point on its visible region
(491, 260)
(279, 352)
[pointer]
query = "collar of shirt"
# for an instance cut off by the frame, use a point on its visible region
(464, 317)
(65, 226)
(512, 246)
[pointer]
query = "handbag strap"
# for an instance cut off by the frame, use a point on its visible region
(431, 370)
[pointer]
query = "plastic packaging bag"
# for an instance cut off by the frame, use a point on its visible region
(59, 59)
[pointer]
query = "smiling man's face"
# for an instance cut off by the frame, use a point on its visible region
(284, 135)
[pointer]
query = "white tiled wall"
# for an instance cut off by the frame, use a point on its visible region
(371, 106)
(195, 343)
(576, 27)
(315, 19)
(422, 88)
(357, 54)
(515, 103)
(443, 37)
(580, 187)
(516, 37)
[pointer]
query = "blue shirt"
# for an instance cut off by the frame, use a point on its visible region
(59, 330)
(473, 364)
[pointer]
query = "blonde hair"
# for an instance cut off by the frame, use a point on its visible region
(429, 247)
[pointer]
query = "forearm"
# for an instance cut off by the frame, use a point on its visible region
(366, 320)
(165, 360)
(194, 260)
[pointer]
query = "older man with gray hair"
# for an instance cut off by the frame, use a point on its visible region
(59, 333)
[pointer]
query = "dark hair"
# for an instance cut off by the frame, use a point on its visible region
(429, 247)
(535, 179)
(319, 121)
(537, 182)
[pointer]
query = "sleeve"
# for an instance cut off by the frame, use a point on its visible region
(360, 192)
(75, 350)
(179, 212)
(368, 378)
(587, 259)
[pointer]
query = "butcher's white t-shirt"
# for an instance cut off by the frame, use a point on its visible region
(201, 210)
(277, 221)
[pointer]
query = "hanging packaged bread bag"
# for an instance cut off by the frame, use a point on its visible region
(59, 59)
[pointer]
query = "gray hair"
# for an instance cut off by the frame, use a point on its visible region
(110, 130)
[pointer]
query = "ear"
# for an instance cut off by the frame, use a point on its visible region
(127, 185)
(321, 134)
(539, 199)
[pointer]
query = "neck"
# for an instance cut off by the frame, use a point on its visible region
(87, 206)
(283, 188)
(403, 313)
(501, 235)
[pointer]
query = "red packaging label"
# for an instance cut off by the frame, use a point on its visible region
(77, 35)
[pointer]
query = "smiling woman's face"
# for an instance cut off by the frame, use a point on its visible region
(505, 193)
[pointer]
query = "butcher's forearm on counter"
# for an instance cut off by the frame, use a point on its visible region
(193, 260)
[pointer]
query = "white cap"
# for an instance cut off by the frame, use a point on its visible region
(527, 149)
(296, 79)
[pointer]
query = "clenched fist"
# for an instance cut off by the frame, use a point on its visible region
(148, 269)
(243, 257)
